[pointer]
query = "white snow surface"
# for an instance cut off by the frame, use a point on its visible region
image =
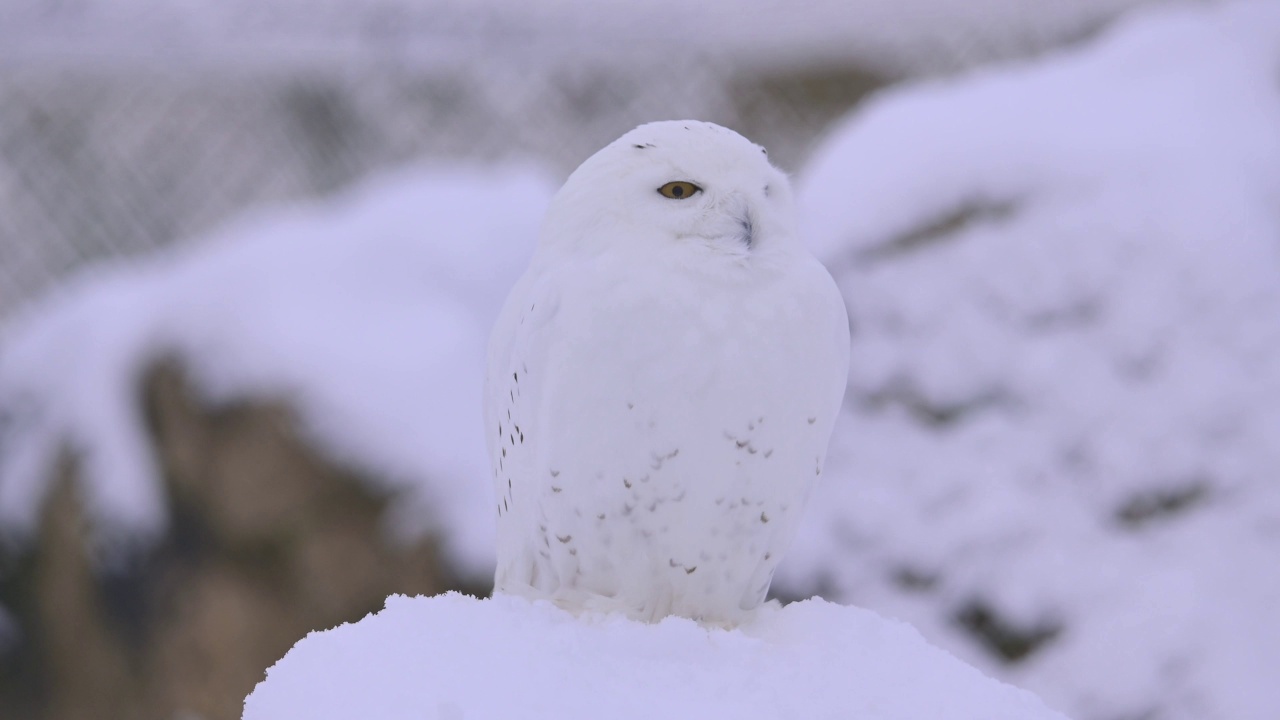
(1066, 408)
(453, 656)
(368, 314)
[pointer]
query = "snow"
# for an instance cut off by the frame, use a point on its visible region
(368, 314)
(1064, 280)
(453, 656)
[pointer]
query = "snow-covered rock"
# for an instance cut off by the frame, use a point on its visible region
(368, 314)
(1061, 452)
(453, 657)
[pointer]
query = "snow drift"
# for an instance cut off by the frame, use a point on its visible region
(368, 314)
(1060, 456)
(457, 657)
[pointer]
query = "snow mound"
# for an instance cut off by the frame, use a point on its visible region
(367, 313)
(453, 656)
(1061, 451)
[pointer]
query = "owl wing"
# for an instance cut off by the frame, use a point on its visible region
(514, 384)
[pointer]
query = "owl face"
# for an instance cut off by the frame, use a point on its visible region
(677, 184)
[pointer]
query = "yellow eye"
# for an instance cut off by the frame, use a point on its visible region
(679, 190)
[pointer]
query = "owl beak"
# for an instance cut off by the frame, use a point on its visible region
(748, 225)
(740, 209)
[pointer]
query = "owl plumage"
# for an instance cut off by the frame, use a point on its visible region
(662, 382)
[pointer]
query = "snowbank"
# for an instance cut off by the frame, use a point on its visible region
(1061, 451)
(368, 313)
(453, 657)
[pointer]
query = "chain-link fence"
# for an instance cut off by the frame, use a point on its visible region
(99, 162)
(128, 124)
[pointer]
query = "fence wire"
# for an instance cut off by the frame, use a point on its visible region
(102, 162)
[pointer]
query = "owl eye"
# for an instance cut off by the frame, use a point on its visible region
(679, 190)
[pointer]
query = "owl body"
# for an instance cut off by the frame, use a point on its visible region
(662, 383)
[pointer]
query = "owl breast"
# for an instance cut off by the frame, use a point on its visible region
(669, 432)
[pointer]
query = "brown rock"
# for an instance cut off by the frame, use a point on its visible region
(268, 541)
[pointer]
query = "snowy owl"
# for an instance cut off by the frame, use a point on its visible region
(662, 382)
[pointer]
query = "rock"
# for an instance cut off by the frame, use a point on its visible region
(267, 541)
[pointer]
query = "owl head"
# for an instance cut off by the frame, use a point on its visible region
(679, 184)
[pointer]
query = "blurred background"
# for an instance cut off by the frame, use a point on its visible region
(250, 252)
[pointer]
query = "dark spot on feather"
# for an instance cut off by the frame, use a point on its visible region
(555, 473)
(689, 570)
(627, 483)
(556, 489)
(564, 538)
(813, 420)
(764, 518)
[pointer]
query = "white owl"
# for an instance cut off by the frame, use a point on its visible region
(662, 382)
